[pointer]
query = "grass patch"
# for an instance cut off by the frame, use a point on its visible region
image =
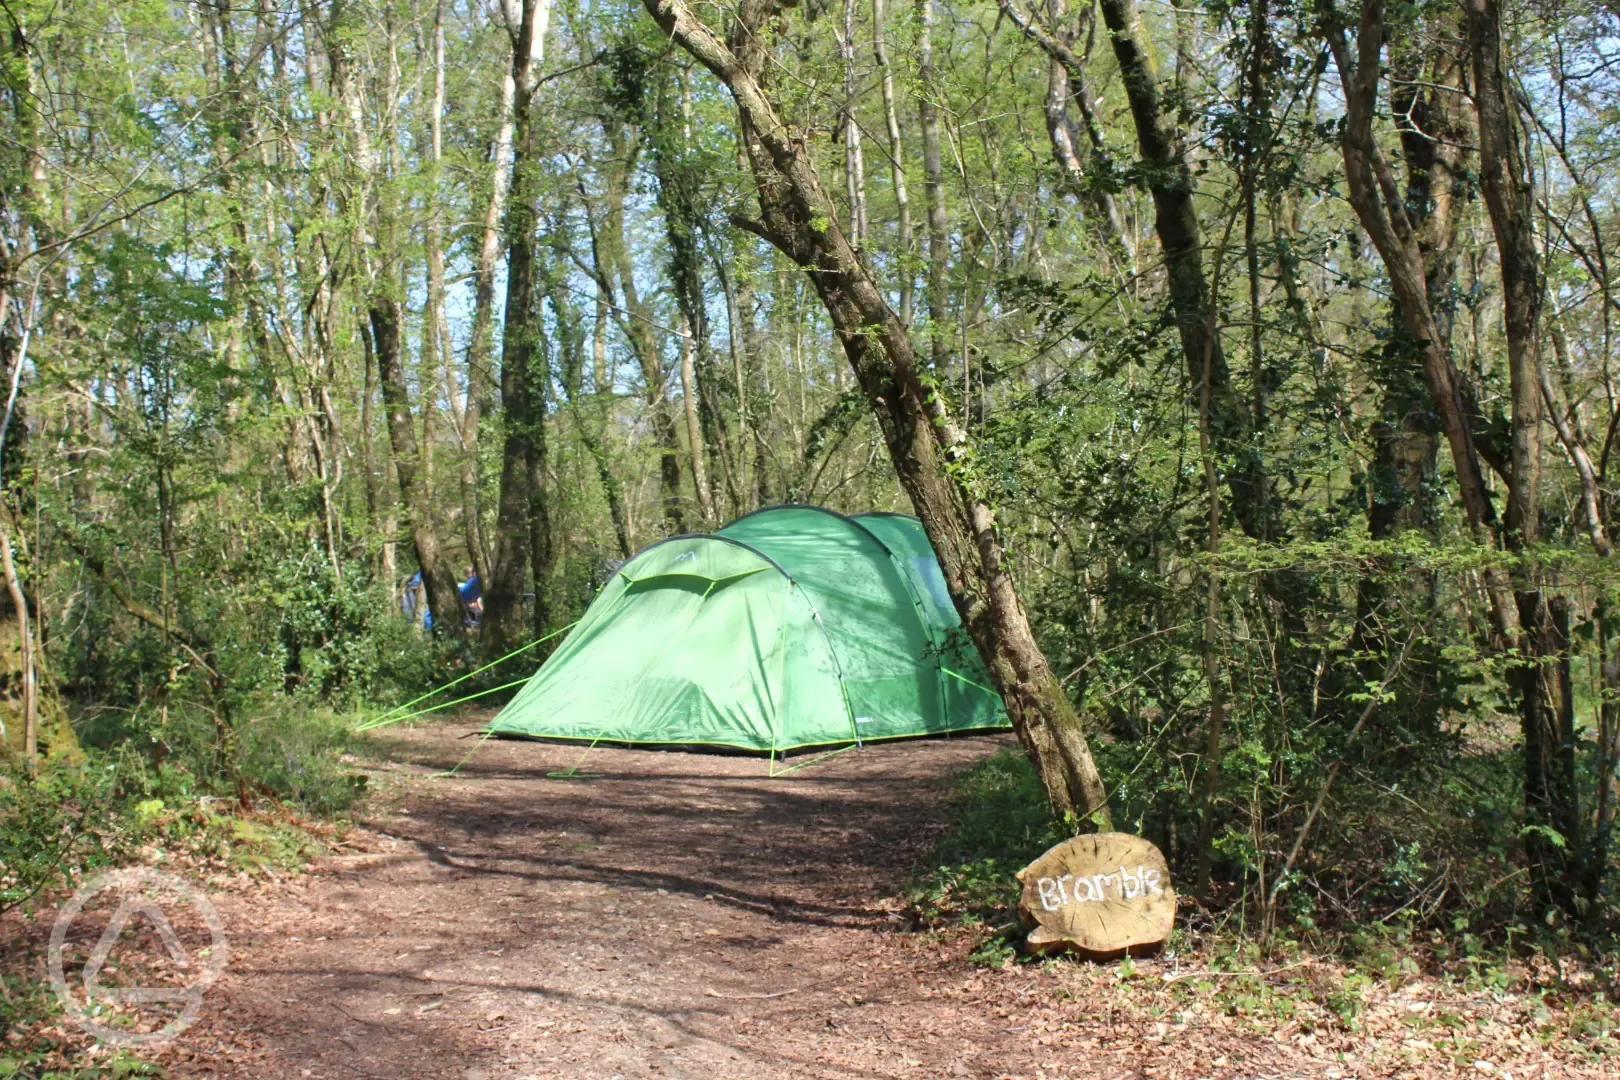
(162, 788)
(999, 821)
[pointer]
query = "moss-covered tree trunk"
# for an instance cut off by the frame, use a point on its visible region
(54, 738)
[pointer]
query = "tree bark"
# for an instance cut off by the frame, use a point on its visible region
(939, 244)
(897, 159)
(522, 505)
(464, 407)
(444, 599)
(1380, 206)
(694, 430)
(854, 161)
(1429, 112)
(1552, 800)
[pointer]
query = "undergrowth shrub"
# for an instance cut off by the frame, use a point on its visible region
(279, 748)
(1000, 820)
(1393, 873)
(52, 826)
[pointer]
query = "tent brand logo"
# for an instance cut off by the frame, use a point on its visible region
(683, 556)
(145, 900)
(1127, 885)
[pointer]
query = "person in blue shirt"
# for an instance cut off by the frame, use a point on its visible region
(410, 599)
(472, 594)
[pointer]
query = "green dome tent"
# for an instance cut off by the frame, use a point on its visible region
(791, 627)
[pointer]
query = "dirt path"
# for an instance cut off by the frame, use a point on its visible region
(684, 916)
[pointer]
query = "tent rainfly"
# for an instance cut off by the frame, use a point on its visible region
(791, 627)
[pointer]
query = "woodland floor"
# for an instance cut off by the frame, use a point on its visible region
(685, 916)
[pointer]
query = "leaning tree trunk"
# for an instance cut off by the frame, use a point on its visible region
(928, 450)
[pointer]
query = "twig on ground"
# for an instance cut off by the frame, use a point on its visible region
(751, 997)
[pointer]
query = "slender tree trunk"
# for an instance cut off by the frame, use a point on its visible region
(444, 599)
(854, 161)
(379, 515)
(939, 245)
(1552, 800)
(1215, 721)
(751, 345)
(694, 430)
(481, 349)
(27, 668)
(725, 264)
(521, 504)
(1608, 754)
(897, 159)
(20, 682)
(463, 404)
(542, 549)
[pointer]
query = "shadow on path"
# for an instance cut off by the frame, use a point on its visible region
(681, 915)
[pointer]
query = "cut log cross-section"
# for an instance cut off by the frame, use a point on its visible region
(1103, 895)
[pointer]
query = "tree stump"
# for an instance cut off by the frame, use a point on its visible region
(1103, 895)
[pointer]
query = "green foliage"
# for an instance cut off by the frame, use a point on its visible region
(53, 827)
(999, 820)
(152, 776)
(340, 641)
(176, 754)
(1397, 871)
(297, 754)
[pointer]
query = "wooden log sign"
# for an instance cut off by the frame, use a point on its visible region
(1103, 895)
